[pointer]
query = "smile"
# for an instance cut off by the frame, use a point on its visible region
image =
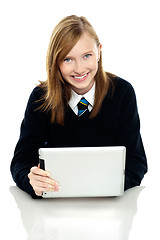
(80, 78)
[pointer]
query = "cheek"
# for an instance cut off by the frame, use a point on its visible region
(64, 70)
(93, 64)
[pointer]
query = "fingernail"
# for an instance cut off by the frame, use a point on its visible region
(56, 184)
(58, 187)
(48, 174)
(33, 168)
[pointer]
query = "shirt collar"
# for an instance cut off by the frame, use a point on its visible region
(75, 98)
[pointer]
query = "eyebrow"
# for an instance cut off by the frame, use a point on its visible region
(68, 56)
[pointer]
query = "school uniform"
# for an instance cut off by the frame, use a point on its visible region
(116, 124)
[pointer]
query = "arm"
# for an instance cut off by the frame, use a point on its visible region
(33, 136)
(129, 136)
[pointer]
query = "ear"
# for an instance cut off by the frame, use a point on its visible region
(99, 50)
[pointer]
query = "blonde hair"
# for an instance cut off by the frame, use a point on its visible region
(57, 91)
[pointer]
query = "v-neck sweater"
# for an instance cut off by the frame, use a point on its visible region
(116, 124)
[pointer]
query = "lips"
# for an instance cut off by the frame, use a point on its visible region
(80, 77)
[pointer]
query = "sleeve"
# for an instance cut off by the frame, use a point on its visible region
(33, 135)
(130, 137)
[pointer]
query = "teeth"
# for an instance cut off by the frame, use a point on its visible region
(80, 77)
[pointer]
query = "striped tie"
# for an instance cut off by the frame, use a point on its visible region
(82, 107)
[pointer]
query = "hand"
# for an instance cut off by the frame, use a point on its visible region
(41, 181)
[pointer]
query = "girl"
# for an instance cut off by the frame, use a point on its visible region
(78, 105)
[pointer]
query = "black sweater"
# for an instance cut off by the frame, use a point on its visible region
(117, 124)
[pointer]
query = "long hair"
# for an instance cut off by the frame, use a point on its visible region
(57, 91)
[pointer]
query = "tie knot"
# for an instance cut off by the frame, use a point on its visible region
(82, 106)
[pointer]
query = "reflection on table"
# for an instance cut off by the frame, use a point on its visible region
(78, 218)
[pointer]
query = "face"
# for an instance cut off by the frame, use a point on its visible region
(81, 64)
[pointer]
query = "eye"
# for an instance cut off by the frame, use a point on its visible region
(67, 60)
(87, 56)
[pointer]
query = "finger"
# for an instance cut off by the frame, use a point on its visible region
(47, 180)
(40, 189)
(38, 171)
(44, 184)
(42, 176)
(38, 193)
(41, 183)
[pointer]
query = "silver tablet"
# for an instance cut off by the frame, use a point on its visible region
(85, 171)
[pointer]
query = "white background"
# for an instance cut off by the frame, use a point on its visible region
(129, 33)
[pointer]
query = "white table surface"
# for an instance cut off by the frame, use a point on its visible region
(132, 216)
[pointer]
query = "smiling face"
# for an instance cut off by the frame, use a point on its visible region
(80, 65)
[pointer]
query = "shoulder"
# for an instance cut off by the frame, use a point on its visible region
(121, 92)
(37, 93)
(36, 98)
(122, 85)
(123, 88)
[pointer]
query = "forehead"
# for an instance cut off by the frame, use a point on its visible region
(85, 44)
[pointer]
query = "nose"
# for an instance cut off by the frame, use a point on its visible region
(79, 67)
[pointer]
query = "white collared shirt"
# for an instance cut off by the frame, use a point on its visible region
(75, 98)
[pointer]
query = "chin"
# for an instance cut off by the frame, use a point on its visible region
(82, 88)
